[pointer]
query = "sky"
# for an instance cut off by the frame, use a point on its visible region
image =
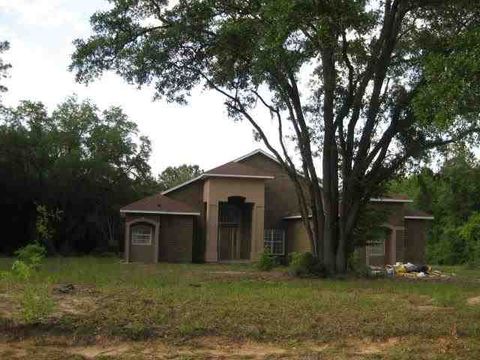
(41, 32)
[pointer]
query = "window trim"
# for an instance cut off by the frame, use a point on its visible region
(269, 241)
(371, 247)
(137, 227)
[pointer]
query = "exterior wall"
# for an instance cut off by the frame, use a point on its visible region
(192, 194)
(415, 240)
(172, 238)
(402, 244)
(220, 189)
(280, 196)
(296, 237)
(142, 253)
(176, 235)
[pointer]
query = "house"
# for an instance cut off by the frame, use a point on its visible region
(237, 210)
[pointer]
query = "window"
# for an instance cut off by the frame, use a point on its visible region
(376, 249)
(141, 235)
(274, 241)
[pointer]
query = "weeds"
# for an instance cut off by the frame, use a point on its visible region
(266, 261)
(36, 303)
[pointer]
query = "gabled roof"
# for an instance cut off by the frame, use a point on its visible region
(238, 170)
(233, 169)
(159, 204)
(255, 152)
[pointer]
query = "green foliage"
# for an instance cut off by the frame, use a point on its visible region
(65, 174)
(357, 266)
(452, 196)
(44, 224)
(34, 298)
(266, 261)
(31, 254)
(470, 233)
(175, 175)
(369, 228)
(4, 67)
(21, 270)
(36, 302)
(305, 264)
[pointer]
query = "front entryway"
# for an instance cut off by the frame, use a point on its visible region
(234, 229)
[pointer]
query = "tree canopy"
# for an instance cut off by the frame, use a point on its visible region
(78, 162)
(364, 85)
(175, 175)
(4, 67)
(452, 195)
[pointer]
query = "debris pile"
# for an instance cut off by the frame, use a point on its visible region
(408, 270)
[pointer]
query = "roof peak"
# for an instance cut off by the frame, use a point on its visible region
(212, 172)
(255, 152)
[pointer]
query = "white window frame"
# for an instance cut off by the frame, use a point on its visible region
(371, 249)
(273, 237)
(142, 235)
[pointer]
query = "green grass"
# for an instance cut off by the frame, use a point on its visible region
(182, 302)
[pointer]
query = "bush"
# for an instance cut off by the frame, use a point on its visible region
(305, 264)
(21, 270)
(32, 254)
(36, 303)
(266, 262)
(358, 267)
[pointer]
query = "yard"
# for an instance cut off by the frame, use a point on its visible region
(191, 311)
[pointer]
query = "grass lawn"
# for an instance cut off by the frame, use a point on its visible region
(192, 311)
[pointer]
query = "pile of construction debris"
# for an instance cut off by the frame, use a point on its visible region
(408, 270)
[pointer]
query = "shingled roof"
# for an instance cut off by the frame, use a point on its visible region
(159, 204)
(232, 169)
(238, 170)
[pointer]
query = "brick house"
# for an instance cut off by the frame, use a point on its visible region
(235, 211)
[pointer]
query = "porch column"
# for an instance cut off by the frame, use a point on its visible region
(157, 238)
(126, 251)
(258, 215)
(211, 250)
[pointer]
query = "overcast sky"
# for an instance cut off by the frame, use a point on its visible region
(41, 32)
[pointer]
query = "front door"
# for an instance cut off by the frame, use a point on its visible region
(229, 240)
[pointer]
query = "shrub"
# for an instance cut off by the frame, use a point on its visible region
(36, 303)
(31, 254)
(266, 261)
(358, 267)
(21, 270)
(305, 264)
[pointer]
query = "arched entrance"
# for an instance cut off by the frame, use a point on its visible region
(234, 229)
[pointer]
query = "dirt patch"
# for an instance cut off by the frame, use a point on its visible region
(220, 347)
(12, 351)
(366, 347)
(206, 347)
(8, 306)
(91, 352)
(473, 301)
(232, 273)
(432, 308)
(73, 305)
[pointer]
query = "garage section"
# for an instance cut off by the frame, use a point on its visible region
(158, 229)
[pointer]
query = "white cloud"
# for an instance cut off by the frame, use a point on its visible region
(45, 13)
(200, 133)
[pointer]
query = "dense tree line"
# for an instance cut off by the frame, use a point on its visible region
(79, 163)
(452, 194)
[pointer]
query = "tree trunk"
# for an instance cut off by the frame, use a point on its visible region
(341, 255)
